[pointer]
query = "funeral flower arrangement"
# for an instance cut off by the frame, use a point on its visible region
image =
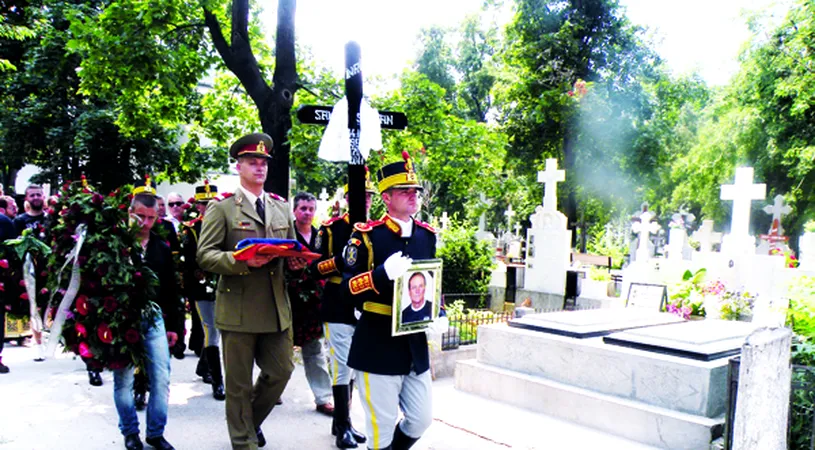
(97, 258)
(696, 297)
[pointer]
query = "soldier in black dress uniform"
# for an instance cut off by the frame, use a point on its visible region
(199, 288)
(337, 312)
(392, 370)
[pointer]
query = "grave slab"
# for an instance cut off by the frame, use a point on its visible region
(679, 384)
(593, 323)
(702, 340)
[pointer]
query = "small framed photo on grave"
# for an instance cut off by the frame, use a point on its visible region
(647, 295)
(417, 297)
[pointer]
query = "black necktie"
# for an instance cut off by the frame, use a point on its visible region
(261, 211)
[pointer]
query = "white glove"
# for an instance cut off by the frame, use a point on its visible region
(440, 325)
(397, 265)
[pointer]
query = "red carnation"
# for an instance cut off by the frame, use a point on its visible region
(24, 296)
(4, 263)
(82, 305)
(122, 206)
(104, 333)
(110, 304)
(80, 330)
(22, 283)
(97, 199)
(132, 336)
(43, 291)
(85, 350)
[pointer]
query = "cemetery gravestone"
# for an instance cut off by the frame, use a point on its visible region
(762, 404)
(742, 193)
(548, 239)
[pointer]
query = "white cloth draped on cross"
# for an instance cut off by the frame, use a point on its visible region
(336, 142)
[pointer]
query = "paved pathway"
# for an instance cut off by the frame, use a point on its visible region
(50, 405)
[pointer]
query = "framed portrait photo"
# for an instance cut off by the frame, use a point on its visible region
(417, 297)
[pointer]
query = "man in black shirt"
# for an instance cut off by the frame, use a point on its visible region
(35, 218)
(419, 309)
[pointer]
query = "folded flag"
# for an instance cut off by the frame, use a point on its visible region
(248, 248)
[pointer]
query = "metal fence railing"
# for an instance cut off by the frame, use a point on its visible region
(463, 324)
(801, 422)
(463, 329)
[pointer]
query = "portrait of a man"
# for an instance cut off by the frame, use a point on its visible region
(420, 307)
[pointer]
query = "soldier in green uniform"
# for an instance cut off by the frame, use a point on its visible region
(199, 290)
(252, 308)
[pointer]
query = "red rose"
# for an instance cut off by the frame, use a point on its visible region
(110, 304)
(80, 330)
(132, 336)
(85, 350)
(43, 291)
(22, 283)
(122, 206)
(2, 287)
(4, 263)
(82, 305)
(24, 296)
(104, 333)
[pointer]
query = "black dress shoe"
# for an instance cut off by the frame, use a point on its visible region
(279, 401)
(94, 378)
(218, 392)
(132, 442)
(261, 437)
(3, 368)
(160, 443)
(140, 399)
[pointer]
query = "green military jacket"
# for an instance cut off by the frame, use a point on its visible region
(249, 300)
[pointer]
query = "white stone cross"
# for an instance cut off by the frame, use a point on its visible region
(518, 229)
(742, 192)
(550, 178)
(323, 195)
(509, 213)
(445, 221)
(778, 210)
(645, 228)
(706, 236)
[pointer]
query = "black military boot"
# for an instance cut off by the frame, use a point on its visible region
(342, 423)
(202, 369)
(360, 438)
(213, 357)
(401, 441)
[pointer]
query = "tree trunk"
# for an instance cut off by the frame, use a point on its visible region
(274, 103)
(276, 120)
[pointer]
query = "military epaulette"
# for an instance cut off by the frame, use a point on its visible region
(426, 226)
(370, 225)
(327, 223)
(223, 196)
(277, 197)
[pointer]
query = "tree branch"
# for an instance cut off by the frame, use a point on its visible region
(240, 20)
(218, 36)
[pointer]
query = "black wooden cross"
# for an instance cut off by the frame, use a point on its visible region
(319, 115)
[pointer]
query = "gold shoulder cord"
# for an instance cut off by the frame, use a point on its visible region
(330, 241)
(370, 247)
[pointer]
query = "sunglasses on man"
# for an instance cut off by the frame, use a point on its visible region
(175, 204)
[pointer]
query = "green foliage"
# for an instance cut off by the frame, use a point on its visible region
(802, 409)
(801, 312)
(467, 261)
(610, 240)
